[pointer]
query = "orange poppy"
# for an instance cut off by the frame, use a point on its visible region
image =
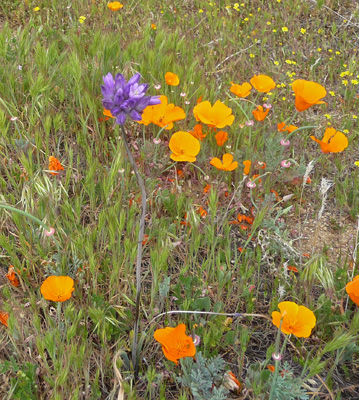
(115, 5)
(282, 127)
(172, 79)
(184, 147)
(217, 116)
(163, 114)
(333, 141)
(307, 94)
(4, 316)
(291, 268)
(297, 320)
(57, 288)
(352, 288)
(263, 83)
(241, 90)
(226, 165)
(145, 239)
(202, 212)
(12, 277)
(199, 100)
(221, 138)
(107, 113)
(179, 173)
(259, 114)
(198, 132)
(276, 194)
(242, 217)
(271, 368)
(207, 188)
(175, 343)
(55, 165)
(247, 167)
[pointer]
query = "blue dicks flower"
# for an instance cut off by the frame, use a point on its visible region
(126, 98)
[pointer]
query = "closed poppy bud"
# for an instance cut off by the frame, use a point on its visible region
(172, 79)
(307, 94)
(263, 83)
(221, 137)
(198, 132)
(231, 382)
(259, 114)
(247, 166)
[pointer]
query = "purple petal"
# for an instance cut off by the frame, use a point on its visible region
(115, 111)
(121, 118)
(138, 91)
(136, 116)
(154, 100)
(135, 79)
(120, 81)
(108, 104)
(106, 91)
(141, 104)
(118, 96)
(108, 81)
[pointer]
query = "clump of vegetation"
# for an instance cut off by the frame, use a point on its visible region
(179, 200)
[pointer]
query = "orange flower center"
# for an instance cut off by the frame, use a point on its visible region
(181, 347)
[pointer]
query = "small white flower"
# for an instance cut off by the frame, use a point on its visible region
(183, 94)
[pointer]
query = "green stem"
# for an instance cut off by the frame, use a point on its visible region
(241, 108)
(196, 166)
(277, 361)
(300, 129)
(157, 136)
(135, 363)
(16, 210)
(292, 119)
(37, 220)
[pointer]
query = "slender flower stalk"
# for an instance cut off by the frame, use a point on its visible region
(139, 252)
(277, 358)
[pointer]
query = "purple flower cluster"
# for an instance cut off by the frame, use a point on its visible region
(126, 98)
